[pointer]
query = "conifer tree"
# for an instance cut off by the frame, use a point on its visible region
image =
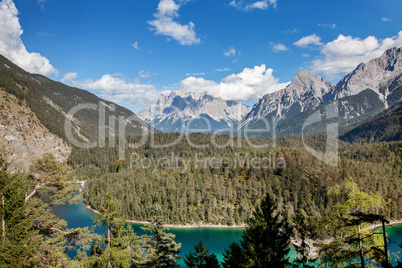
(119, 246)
(163, 250)
(18, 241)
(201, 258)
(354, 243)
(303, 249)
(233, 257)
(266, 241)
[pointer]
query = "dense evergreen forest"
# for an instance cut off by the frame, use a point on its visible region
(223, 185)
(299, 197)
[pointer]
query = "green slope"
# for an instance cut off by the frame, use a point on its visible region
(51, 101)
(387, 126)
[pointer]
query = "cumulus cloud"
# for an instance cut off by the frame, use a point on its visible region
(385, 19)
(247, 5)
(164, 24)
(68, 77)
(308, 40)
(279, 48)
(12, 47)
(250, 84)
(114, 88)
(343, 54)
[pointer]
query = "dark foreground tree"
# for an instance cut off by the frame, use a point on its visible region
(201, 258)
(162, 249)
(233, 257)
(266, 240)
(265, 243)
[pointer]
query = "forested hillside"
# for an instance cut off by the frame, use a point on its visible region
(387, 126)
(51, 101)
(222, 186)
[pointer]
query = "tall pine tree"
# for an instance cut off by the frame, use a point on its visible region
(18, 242)
(119, 246)
(265, 243)
(266, 240)
(163, 250)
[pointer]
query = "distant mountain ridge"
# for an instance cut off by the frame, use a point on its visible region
(183, 111)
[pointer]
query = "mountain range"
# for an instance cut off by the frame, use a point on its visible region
(183, 111)
(368, 102)
(360, 96)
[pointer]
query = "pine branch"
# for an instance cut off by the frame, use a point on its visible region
(34, 191)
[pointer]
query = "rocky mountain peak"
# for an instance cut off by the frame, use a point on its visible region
(183, 105)
(306, 90)
(377, 74)
(305, 81)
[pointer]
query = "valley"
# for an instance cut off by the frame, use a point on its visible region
(297, 179)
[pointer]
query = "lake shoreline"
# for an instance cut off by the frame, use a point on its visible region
(316, 244)
(178, 226)
(242, 226)
(175, 226)
(313, 244)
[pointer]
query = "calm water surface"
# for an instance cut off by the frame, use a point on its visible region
(216, 239)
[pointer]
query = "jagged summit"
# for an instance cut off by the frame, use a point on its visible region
(306, 90)
(172, 110)
(368, 90)
(383, 75)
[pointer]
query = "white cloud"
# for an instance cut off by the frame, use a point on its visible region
(247, 5)
(231, 51)
(135, 45)
(43, 34)
(145, 74)
(250, 84)
(68, 77)
(12, 47)
(195, 74)
(41, 4)
(165, 25)
(279, 48)
(114, 88)
(385, 19)
(330, 26)
(308, 40)
(292, 30)
(222, 69)
(343, 54)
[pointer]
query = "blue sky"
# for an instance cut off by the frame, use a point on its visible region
(132, 51)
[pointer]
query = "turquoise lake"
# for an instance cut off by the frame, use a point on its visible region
(216, 239)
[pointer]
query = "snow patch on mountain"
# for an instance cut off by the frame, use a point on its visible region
(185, 106)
